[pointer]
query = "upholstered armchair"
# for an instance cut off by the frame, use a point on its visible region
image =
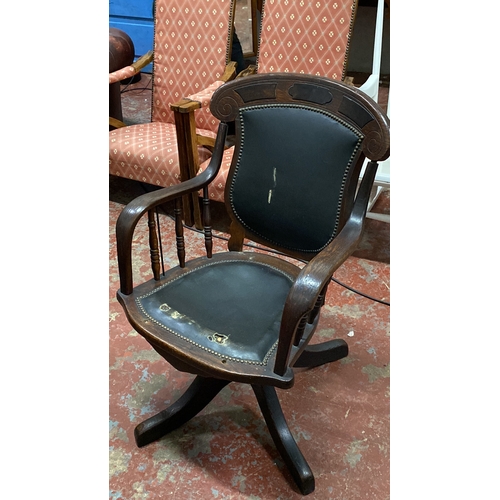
(191, 53)
(306, 37)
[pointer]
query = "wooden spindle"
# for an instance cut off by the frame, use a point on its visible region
(319, 304)
(179, 233)
(207, 222)
(300, 330)
(160, 241)
(153, 245)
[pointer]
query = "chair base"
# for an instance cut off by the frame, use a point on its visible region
(204, 389)
(283, 439)
(320, 354)
(198, 395)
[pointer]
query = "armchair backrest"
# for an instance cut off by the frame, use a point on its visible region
(306, 36)
(301, 143)
(191, 49)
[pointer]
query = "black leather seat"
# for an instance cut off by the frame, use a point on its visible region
(223, 322)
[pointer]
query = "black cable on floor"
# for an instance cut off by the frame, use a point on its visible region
(136, 88)
(142, 89)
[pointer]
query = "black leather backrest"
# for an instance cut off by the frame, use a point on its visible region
(289, 179)
(300, 143)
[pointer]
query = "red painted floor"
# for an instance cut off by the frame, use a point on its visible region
(339, 413)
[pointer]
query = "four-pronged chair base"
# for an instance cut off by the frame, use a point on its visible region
(203, 389)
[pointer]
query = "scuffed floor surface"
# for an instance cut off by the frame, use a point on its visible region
(338, 413)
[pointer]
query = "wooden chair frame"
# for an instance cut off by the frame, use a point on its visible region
(187, 140)
(305, 298)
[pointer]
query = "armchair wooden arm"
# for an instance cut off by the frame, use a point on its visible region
(133, 212)
(250, 70)
(317, 273)
(115, 123)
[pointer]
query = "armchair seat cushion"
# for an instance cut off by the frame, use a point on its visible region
(228, 306)
(148, 153)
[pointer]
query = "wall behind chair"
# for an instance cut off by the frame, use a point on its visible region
(134, 17)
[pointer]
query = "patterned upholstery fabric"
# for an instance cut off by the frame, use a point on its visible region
(205, 119)
(148, 153)
(299, 36)
(190, 53)
(306, 36)
(216, 187)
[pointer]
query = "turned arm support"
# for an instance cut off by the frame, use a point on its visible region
(318, 272)
(133, 212)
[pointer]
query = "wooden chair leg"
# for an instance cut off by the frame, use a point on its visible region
(283, 439)
(201, 391)
(320, 354)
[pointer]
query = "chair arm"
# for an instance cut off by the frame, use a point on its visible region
(317, 273)
(251, 70)
(143, 61)
(115, 123)
(193, 102)
(133, 69)
(203, 98)
(229, 72)
(133, 212)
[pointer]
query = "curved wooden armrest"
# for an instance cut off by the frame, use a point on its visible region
(203, 97)
(318, 272)
(133, 212)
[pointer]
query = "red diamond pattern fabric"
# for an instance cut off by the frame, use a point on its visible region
(190, 54)
(191, 44)
(148, 153)
(204, 118)
(306, 36)
(298, 36)
(216, 187)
